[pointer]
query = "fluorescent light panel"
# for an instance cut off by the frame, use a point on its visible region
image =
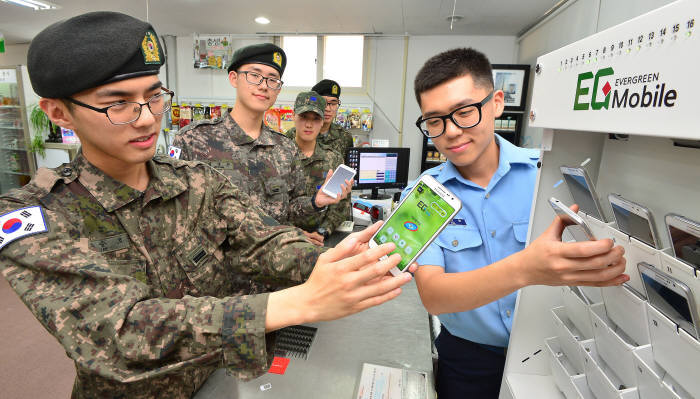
(34, 4)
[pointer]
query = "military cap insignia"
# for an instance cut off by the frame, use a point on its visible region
(277, 58)
(334, 89)
(149, 48)
(174, 152)
(21, 223)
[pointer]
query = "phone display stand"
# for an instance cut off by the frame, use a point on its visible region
(675, 350)
(614, 346)
(602, 380)
(577, 310)
(569, 338)
(653, 382)
(568, 379)
(628, 311)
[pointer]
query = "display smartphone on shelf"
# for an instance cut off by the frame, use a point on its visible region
(634, 220)
(671, 297)
(685, 239)
(342, 173)
(582, 191)
(419, 218)
(574, 223)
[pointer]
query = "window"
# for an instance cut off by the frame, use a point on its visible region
(301, 60)
(343, 59)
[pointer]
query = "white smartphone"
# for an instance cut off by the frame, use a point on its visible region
(342, 173)
(582, 191)
(417, 221)
(685, 239)
(671, 297)
(575, 224)
(634, 220)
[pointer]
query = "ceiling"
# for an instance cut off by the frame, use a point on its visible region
(388, 17)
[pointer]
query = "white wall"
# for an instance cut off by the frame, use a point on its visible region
(15, 54)
(576, 20)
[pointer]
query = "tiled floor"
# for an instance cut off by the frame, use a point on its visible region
(32, 363)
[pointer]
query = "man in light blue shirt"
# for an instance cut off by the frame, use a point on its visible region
(470, 274)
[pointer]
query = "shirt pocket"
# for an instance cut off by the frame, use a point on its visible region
(276, 189)
(129, 267)
(202, 262)
(459, 238)
(520, 231)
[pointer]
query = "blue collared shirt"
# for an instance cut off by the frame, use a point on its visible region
(491, 225)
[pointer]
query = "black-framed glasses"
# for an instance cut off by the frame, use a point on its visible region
(126, 112)
(464, 117)
(256, 79)
(333, 104)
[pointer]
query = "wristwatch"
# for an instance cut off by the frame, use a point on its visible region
(324, 232)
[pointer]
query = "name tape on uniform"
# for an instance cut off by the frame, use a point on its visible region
(458, 222)
(21, 223)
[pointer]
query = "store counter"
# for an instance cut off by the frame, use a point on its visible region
(395, 334)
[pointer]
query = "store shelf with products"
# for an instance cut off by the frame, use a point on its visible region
(17, 164)
(635, 351)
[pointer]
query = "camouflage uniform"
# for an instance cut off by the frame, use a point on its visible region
(336, 138)
(315, 168)
(265, 168)
(136, 286)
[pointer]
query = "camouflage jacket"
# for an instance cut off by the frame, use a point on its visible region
(265, 168)
(315, 168)
(336, 138)
(137, 286)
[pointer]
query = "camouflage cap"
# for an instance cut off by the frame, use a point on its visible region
(309, 101)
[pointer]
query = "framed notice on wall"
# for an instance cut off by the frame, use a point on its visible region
(513, 80)
(212, 51)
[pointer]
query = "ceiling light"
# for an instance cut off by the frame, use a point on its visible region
(34, 4)
(262, 20)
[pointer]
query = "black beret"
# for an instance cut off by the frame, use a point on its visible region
(264, 53)
(91, 50)
(327, 87)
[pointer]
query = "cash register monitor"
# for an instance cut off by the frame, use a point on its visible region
(378, 167)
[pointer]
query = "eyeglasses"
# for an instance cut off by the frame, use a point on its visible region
(125, 112)
(333, 104)
(256, 79)
(463, 117)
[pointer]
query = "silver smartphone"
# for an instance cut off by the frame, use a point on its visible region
(685, 238)
(333, 186)
(575, 224)
(582, 191)
(420, 217)
(671, 297)
(634, 220)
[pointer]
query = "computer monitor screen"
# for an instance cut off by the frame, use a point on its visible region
(379, 167)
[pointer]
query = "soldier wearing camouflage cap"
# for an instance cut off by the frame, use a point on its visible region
(317, 161)
(332, 135)
(259, 161)
(128, 260)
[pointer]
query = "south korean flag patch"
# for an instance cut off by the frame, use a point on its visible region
(174, 152)
(21, 223)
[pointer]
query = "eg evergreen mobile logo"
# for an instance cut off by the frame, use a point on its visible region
(650, 95)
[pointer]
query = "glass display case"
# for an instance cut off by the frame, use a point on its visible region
(17, 164)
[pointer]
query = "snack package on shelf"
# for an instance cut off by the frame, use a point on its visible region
(185, 115)
(272, 119)
(214, 111)
(175, 115)
(341, 117)
(354, 119)
(197, 113)
(366, 120)
(286, 119)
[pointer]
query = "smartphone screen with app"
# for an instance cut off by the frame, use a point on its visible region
(415, 223)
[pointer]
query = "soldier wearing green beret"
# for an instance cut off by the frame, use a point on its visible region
(128, 260)
(317, 161)
(332, 135)
(259, 161)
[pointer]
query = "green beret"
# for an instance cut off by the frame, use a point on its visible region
(309, 101)
(327, 87)
(264, 53)
(91, 50)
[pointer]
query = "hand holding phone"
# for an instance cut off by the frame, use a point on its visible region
(333, 187)
(417, 221)
(575, 224)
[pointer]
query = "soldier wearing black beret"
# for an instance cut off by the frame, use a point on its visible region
(261, 162)
(332, 136)
(133, 262)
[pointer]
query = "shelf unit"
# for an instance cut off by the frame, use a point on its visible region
(619, 346)
(508, 126)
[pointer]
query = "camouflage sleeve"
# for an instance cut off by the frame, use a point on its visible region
(300, 203)
(347, 143)
(262, 246)
(112, 325)
(340, 212)
(180, 142)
